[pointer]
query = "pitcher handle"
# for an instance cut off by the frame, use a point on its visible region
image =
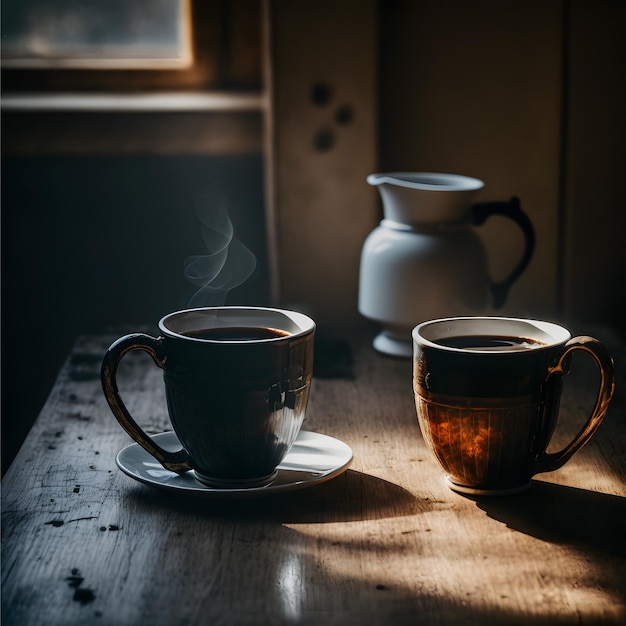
(513, 210)
(174, 461)
(549, 462)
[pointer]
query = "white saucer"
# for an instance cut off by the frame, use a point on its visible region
(312, 460)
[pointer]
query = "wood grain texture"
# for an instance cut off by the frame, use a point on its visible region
(385, 543)
(323, 148)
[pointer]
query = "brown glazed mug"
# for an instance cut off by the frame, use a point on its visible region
(237, 383)
(487, 393)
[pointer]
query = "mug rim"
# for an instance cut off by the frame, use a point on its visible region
(305, 323)
(551, 334)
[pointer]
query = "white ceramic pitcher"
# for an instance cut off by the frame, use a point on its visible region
(425, 260)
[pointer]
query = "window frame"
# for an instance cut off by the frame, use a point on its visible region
(218, 60)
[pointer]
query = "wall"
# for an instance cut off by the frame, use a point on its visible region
(526, 96)
(522, 94)
(595, 216)
(480, 85)
(324, 110)
(101, 174)
(98, 243)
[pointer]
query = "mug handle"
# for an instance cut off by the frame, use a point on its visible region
(178, 461)
(513, 210)
(549, 462)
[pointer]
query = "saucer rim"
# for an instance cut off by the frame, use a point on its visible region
(198, 489)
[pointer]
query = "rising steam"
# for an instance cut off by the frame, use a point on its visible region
(228, 262)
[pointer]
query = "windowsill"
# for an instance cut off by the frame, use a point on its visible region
(117, 123)
(218, 102)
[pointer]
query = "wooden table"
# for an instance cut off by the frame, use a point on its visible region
(384, 543)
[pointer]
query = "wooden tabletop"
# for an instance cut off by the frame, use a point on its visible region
(386, 542)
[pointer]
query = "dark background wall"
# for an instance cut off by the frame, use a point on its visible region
(98, 243)
(529, 97)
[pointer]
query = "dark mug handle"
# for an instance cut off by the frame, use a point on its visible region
(549, 462)
(513, 210)
(178, 461)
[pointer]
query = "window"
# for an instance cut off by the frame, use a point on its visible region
(103, 45)
(144, 34)
(201, 93)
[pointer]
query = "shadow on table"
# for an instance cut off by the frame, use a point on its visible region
(353, 496)
(588, 520)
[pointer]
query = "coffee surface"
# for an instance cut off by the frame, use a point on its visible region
(237, 333)
(490, 343)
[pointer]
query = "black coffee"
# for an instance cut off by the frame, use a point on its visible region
(490, 343)
(237, 333)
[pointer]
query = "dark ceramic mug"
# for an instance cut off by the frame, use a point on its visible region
(237, 383)
(487, 392)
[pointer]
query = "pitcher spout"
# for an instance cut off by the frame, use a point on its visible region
(425, 197)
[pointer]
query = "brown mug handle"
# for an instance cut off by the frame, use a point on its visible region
(549, 462)
(178, 461)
